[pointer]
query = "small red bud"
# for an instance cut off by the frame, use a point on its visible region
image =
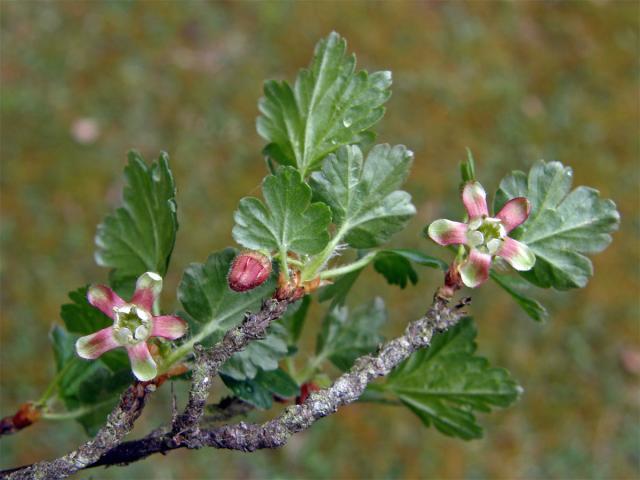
(248, 270)
(305, 390)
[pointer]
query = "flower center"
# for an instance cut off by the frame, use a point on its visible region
(132, 325)
(486, 234)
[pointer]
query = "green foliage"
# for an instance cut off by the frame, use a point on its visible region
(445, 384)
(258, 355)
(210, 305)
(363, 197)
(515, 286)
(260, 390)
(396, 269)
(288, 223)
(294, 318)
(563, 224)
(345, 335)
(338, 290)
(417, 257)
(395, 265)
(88, 388)
(139, 236)
(80, 316)
(468, 168)
(329, 106)
(212, 308)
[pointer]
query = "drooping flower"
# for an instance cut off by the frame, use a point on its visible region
(249, 270)
(485, 237)
(133, 325)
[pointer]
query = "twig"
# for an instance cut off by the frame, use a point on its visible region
(242, 436)
(27, 414)
(208, 362)
(228, 408)
(119, 424)
(275, 433)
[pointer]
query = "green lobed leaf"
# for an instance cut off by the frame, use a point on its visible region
(419, 258)
(83, 318)
(446, 383)
(515, 286)
(261, 354)
(396, 269)
(563, 226)
(260, 390)
(289, 222)
(139, 236)
(330, 105)
(395, 265)
(346, 336)
(80, 316)
(90, 386)
(363, 195)
(212, 308)
(294, 318)
(339, 289)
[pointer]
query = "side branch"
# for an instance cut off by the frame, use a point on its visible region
(208, 362)
(118, 425)
(345, 390)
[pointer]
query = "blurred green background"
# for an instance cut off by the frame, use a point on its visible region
(82, 82)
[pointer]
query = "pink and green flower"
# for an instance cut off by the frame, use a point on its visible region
(485, 237)
(133, 325)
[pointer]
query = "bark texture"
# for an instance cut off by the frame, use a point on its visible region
(186, 432)
(346, 389)
(208, 362)
(119, 424)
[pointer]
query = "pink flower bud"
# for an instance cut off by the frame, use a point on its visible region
(249, 270)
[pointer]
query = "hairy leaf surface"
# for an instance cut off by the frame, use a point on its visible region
(212, 308)
(260, 390)
(363, 195)
(515, 286)
(258, 355)
(330, 105)
(89, 388)
(287, 221)
(80, 316)
(446, 383)
(396, 265)
(563, 226)
(139, 236)
(345, 335)
(294, 319)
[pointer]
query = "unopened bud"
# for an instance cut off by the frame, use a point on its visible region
(249, 270)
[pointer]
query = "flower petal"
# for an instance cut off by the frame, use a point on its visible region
(475, 200)
(168, 326)
(142, 363)
(148, 288)
(104, 299)
(94, 345)
(474, 271)
(514, 213)
(517, 254)
(446, 232)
